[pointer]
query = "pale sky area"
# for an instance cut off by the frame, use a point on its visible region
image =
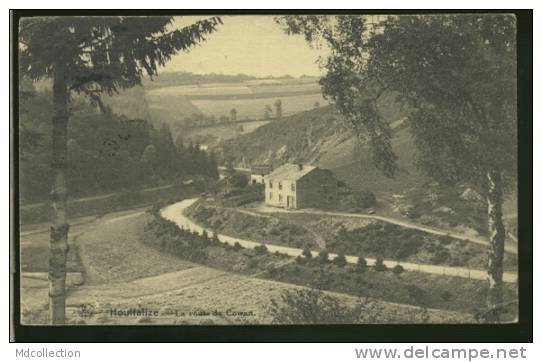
(253, 45)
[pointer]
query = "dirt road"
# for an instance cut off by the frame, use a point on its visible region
(175, 213)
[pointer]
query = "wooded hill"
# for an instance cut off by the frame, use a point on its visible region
(106, 152)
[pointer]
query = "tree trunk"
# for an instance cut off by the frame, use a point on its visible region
(496, 244)
(59, 227)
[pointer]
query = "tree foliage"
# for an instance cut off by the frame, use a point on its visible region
(455, 74)
(456, 77)
(92, 56)
(104, 54)
(106, 152)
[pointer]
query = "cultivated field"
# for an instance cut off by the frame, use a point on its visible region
(255, 107)
(248, 98)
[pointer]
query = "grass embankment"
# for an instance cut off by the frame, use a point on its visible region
(418, 289)
(373, 238)
(343, 235)
(253, 227)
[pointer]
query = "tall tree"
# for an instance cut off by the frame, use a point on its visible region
(456, 74)
(92, 56)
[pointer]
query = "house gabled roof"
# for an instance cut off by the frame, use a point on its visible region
(290, 172)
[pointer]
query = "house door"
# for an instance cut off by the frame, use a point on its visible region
(287, 202)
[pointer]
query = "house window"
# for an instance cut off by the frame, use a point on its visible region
(280, 197)
(270, 196)
(292, 186)
(280, 185)
(270, 184)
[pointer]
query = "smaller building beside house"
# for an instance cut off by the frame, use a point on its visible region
(297, 186)
(258, 172)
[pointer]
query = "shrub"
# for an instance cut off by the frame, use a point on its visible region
(198, 255)
(237, 246)
(361, 265)
(323, 257)
(239, 180)
(398, 269)
(261, 249)
(446, 295)
(307, 253)
(447, 239)
(311, 306)
(440, 256)
(340, 260)
(300, 260)
(365, 199)
(323, 279)
(379, 265)
(215, 239)
(253, 263)
(272, 271)
(155, 209)
(417, 294)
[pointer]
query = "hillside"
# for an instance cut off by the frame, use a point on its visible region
(322, 138)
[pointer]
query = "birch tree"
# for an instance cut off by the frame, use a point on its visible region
(91, 56)
(456, 74)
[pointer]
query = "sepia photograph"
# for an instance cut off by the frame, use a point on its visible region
(266, 169)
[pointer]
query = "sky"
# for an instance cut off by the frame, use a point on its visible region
(253, 45)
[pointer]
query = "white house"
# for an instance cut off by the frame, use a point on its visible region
(295, 186)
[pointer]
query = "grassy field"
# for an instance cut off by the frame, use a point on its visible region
(207, 296)
(172, 104)
(115, 252)
(255, 107)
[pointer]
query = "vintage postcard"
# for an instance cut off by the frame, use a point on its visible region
(247, 170)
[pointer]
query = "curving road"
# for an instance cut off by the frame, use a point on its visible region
(175, 213)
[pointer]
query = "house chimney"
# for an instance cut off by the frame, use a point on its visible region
(300, 166)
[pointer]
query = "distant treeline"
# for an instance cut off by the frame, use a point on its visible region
(185, 78)
(106, 152)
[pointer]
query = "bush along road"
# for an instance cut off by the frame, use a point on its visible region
(175, 213)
